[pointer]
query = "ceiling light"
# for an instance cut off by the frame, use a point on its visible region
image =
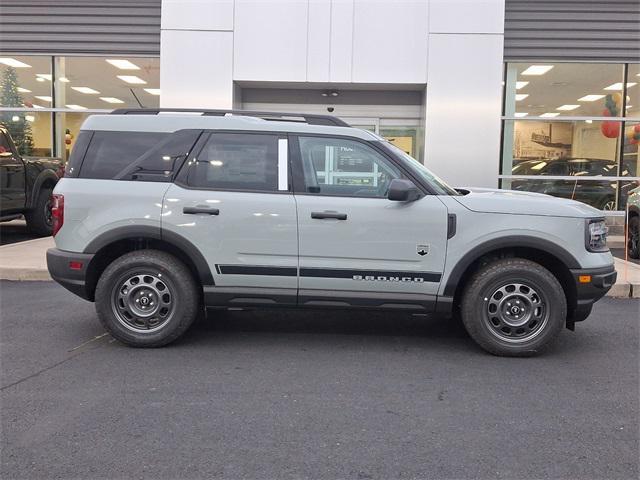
(521, 96)
(152, 91)
(76, 107)
(550, 114)
(12, 62)
(15, 118)
(123, 64)
(24, 90)
(44, 98)
(567, 107)
(43, 76)
(588, 121)
(87, 90)
(111, 100)
(131, 79)
(590, 98)
(618, 86)
(30, 118)
(520, 114)
(537, 70)
(520, 85)
(64, 79)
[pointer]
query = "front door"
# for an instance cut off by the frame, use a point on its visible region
(232, 201)
(356, 246)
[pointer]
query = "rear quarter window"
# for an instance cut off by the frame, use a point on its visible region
(111, 152)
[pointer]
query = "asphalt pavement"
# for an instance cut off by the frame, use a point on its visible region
(322, 394)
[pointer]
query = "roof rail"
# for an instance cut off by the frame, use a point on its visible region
(311, 119)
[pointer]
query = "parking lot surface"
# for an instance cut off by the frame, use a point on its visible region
(323, 394)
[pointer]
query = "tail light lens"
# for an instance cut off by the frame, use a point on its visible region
(57, 212)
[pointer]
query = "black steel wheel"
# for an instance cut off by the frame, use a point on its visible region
(147, 298)
(39, 218)
(633, 243)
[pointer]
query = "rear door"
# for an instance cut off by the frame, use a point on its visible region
(12, 178)
(232, 200)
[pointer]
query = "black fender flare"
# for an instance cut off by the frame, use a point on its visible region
(511, 241)
(42, 177)
(154, 233)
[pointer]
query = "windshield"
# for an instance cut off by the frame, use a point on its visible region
(439, 186)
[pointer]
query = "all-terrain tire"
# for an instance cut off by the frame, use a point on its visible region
(39, 219)
(633, 245)
(513, 307)
(147, 298)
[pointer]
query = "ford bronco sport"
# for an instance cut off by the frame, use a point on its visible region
(162, 214)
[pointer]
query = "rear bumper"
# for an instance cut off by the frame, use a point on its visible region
(587, 293)
(60, 263)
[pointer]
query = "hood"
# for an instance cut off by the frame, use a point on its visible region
(515, 202)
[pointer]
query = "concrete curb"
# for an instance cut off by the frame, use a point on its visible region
(24, 274)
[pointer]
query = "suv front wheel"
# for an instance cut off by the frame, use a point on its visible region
(513, 307)
(147, 298)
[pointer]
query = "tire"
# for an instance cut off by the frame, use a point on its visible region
(633, 245)
(39, 219)
(513, 307)
(147, 298)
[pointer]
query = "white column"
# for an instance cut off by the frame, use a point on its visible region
(464, 81)
(196, 54)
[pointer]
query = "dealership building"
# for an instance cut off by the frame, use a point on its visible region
(533, 95)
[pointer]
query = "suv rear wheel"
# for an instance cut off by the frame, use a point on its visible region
(147, 298)
(513, 307)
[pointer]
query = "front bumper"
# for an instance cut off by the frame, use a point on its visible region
(69, 269)
(588, 292)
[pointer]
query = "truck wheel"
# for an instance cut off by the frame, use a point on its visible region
(147, 298)
(513, 307)
(39, 219)
(634, 237)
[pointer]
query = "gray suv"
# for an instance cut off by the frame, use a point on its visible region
(162, 214)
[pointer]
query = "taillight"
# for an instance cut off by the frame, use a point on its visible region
(57, 212)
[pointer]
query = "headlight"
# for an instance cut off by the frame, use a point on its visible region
(596, 236)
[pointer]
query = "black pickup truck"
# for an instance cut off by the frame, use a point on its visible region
(26, 184)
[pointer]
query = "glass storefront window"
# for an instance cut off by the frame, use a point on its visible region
(107, 82)
(630, 150)
(25, 81)
(599, 194)
(633, 90)
(30, 131)
(581, 145)
(563, 89)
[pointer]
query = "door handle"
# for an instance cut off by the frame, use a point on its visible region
(323, 215)
(196, 210)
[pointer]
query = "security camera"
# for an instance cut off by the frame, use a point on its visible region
(330, 109)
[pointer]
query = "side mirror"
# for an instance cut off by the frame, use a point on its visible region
(401, 190)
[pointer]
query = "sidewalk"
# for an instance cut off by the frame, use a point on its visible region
(26, 261)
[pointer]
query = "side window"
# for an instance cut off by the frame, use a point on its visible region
(110, 152)
(237, 161)
(159, 163)
(336, 166)
(77, 153)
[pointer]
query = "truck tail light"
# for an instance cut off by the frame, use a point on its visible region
(57, 212)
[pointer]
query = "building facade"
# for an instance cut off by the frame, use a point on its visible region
(531, 95)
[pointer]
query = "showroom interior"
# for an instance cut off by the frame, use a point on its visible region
(559, 116)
